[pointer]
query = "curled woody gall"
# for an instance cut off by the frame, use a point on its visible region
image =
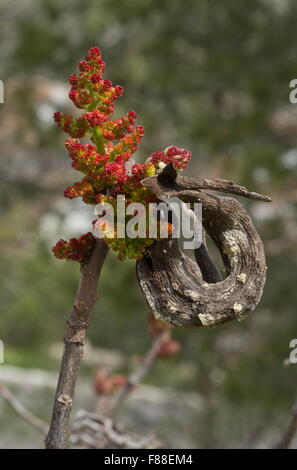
(104, 162)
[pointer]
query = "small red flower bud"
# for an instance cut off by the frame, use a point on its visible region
(156, 326)
(119, 90)
(77, 249)
(106, 84)
(95, 77)
(57, 117)
(169, 349)
(132, 116)
(106, 384)
(73, 79)
(93, 52)
(73, 94)
(84, 66)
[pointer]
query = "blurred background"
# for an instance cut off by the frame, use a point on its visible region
(209, 76)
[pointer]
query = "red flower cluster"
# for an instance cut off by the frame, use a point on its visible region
(178, 156)
(104, 163)
(106, 383)
(81, 188)
(73, 127)
(95, 118)
(118, 128)
(170, 347)
(76, 249)
(85, 157)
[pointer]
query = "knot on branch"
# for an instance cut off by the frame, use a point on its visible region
(77, 324)
(65, 399)
(189, 293)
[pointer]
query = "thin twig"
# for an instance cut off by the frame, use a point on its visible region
(75, 338)
(168, 181)
(290, 430)
(138, 375)
(96, 431)
(26, 415)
